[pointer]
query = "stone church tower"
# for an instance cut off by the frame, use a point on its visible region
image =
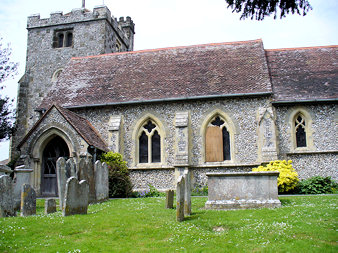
(50, 45)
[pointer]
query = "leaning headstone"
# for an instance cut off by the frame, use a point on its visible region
(76, 197)
(169, 199)
(62, 179)
(50, 206)
(187, 193)
(180, 199)
(101, 182)
(6, 197)
(22, 176)
(28, 200)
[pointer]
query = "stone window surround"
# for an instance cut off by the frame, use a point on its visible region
(232, 131)
(65, 32)
(138, 129)
(295, 112)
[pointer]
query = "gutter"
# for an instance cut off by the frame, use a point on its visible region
(257, 94)
(306, 101)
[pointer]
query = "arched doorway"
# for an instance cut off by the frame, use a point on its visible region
(55, 149)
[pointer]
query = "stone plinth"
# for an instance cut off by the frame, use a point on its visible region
(242, 190)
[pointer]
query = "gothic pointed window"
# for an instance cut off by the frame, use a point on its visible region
(217, 141)
(300, 131)
(63, 38)
(149, 143)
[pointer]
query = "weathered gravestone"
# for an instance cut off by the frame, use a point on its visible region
(101, 181)
(28, 200)
(6, 197)
(76, 197)
(86, 172)
(22, 176)
(169, 199)
(71, 168)
(180, 199)
(62, 176)
(187, 192)
(50, 206)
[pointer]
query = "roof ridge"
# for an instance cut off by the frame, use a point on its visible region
(300, 48)
(168, 48)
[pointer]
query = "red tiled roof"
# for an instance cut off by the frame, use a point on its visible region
(171, 73)
(81, 125)
(304, 73)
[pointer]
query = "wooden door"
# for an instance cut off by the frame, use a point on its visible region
(55, 149)
(213, 144)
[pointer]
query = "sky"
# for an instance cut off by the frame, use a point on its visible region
(170, 23)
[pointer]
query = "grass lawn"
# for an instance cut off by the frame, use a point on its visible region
(302, 224)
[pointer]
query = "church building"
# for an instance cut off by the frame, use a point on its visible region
(209, 108)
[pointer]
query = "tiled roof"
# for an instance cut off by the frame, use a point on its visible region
(81, 125)
(170, 73)
(304, 73)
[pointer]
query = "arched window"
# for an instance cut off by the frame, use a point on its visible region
(217, 141)
(149, 143)
(300, 131)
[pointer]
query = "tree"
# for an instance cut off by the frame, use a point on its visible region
(8, 70)
(259, 9)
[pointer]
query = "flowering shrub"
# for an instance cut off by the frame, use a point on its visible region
(120, 185)
(317, 185)
(288, 177)
(200, 191)
(152, 192)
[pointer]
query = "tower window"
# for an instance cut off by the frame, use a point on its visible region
(63, 38)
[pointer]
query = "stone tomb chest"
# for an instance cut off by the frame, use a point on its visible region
(242, 190)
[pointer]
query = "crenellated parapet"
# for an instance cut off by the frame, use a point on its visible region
(124, 28)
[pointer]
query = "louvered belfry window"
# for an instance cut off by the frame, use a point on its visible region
(149, 143)
(217, 141)
(300, 131)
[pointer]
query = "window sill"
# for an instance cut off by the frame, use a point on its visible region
(311, 152)
(148, 166)
(223, 164)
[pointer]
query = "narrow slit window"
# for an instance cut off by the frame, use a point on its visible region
(300, 131)
(69, 39)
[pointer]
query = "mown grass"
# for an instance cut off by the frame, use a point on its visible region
(303, 224)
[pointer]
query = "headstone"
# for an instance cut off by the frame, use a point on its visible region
(50, 206)
(91, 181)
(86, 172)
(62, 179)
(169, 199)
(6, 197)
(22, 176)
(187, 193)
(101, 182)
(71, 168)
(76, 197)
(180, 199)
(28, 200)
(105, 180)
